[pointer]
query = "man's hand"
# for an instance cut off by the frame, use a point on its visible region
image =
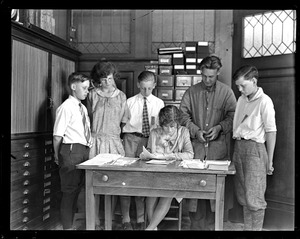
(200, 135)
(56, 159)
(213, 132)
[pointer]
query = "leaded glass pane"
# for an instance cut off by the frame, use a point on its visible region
(269, 33)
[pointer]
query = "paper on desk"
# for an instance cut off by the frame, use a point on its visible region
(102, 159)
(193, 163)
(217, 162)
(123, 161)
(159, 162)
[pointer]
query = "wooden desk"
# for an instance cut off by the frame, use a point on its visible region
(141, 179)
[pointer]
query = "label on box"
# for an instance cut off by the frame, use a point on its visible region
(178, 55)
(190, 60)
(190, 67)
(202, 43)
(163, 60)
(179, 67)
(190, 48)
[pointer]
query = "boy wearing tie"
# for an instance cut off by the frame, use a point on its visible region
(71, 142)
(144, 108)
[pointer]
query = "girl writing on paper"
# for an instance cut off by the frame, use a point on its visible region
(170, 141)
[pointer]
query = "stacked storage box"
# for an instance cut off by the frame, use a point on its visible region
(177, 70)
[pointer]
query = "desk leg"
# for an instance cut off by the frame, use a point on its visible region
(89, 201)
(108, 214)
(220, 202)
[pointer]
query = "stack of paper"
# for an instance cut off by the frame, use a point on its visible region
(218, 164)
(102, 159)
(193, 163)
(123, 161)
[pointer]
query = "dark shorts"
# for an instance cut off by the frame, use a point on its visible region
(71, 178)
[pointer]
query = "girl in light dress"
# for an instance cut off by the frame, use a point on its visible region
(170, 141)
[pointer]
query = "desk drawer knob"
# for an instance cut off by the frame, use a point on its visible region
(25, 201)
(26, 173)
(25, 219)
(105, 178)
(26, 191)
(203, 183)
(123, 183)
(26, 146)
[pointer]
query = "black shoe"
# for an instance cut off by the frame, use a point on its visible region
(127, 226)
(140, 226)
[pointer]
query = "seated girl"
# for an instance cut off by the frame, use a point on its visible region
(168, 142)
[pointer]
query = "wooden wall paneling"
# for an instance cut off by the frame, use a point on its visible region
(97, 26)
(61, 69)
(178, 27)
(200, 24)
(157, 31)
(86, 26)
(60, 23)
(188, 22)
(29, 88)
(167, 26)
(280, 194)
(210, 24)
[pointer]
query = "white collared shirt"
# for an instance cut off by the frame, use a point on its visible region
(253, 118)
(135, 105)
(68, 122)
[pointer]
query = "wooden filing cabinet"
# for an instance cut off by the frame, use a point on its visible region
(35, 183)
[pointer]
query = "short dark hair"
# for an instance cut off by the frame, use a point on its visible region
(211, 62)
(146, 76)
(76, 77)
(102, 69)
(169, 114)
(247, 71)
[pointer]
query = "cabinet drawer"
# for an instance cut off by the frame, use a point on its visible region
(179, 93)
(26, 168)
(27, 200)
(165, 93)
(30, 212)
(197, 79)
(183, 80)
(165, 80)
(165, 70)
(22, 193)
(26, 144)
(140, 180)
(27, 154)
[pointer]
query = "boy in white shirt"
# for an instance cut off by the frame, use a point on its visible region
(136, 136)
(71, 143)
(253, 126)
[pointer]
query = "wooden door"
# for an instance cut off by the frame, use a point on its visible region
(277, 78)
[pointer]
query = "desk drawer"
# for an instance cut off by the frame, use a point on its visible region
(158, 180)
(27, 144)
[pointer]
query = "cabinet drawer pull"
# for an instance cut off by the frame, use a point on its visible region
(46, 216)
(25, 228)
(26, 155)
(26, 146)
(46, 208)
(48, 158)
(47, 175)
(48, 142)
(46, 191)
(25, 201)
(47, 184)
(25, 219)
(26, 182)
(47, 200)
(26, 164)
(203, 183)
(26, 191)
(26, 173)
(164, 95)
(25, 210)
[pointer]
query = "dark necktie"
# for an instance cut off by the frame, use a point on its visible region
(146, 126)
(87, 132)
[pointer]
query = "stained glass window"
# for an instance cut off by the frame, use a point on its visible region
(270, 33)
